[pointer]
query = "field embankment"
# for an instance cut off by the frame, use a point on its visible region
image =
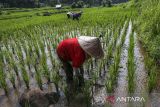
(148, 29)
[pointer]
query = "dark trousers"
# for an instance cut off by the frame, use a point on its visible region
(69, 73)
(80, 76)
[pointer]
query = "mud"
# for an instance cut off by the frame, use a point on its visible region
(100, 94)
(141, 72)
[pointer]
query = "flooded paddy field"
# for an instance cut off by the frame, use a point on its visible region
(119, 79)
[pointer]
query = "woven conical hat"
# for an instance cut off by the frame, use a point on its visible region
(91, 45)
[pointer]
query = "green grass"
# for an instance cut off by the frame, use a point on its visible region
(149, 34)
(149, 28)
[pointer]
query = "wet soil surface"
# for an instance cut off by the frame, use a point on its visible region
(100, 95)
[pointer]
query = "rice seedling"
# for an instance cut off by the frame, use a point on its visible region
(30, 50)
(152, 79)
(3, 83)
(35, 62)
(109, 52)
(87, 92)
(13, 65)
(36, 49)
(116, 35)
(10, 65)
(109, 84)
(25, 75)
(41, 45)
(12, 79)
(56, 79)
(24, 46)
(11, 75)
(130, 65)
(13, 47)
(38, 77)
(113, 72)
(19, 54)
(6, 56)
(108, 36)
(28, 62)
(51, 55)
(46, 71)
(124, 33)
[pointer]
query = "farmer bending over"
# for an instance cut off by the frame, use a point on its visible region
(74, 51)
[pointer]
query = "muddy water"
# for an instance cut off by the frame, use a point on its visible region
(140, 71)
(121, 89)
(12, 100)
(13, 97)
(100, 94)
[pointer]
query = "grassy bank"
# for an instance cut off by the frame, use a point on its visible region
(148, 24)
(149, 27)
